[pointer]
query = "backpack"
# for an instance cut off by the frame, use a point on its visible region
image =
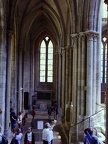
(4, 139)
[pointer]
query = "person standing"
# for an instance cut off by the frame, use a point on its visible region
(90, 137)
(17, 137)
(29, 137)
(33, 113)
(20, 120)
(49, 113)
(47, 133)
(13, 119)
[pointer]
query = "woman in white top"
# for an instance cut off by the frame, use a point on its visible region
(19, 120)
(18, 136)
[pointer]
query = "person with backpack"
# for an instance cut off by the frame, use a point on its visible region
(90, 138)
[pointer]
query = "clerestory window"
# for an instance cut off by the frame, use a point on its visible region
(46, 60)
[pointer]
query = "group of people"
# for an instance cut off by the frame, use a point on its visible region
(29, 138)
(47, 132)
(53, 109)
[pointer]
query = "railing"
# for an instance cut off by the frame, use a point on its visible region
(76, 131)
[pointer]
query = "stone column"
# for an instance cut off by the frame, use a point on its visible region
(13, 73)
(79, 77)
(74, 107)
(31, 74)
(56, 73)
(8, 74)
(70, 73)
(63, 83)
(106, 141)
(98, 75)
(68, 79)
(70, 82)
(2, 64)
(83, 52)
(89, 73)
(74, 77)
(94, 73)
(66, 76)
(20, 81)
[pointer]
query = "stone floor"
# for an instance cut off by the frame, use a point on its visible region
(37, 125)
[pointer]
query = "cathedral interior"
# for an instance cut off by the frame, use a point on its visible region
(55, 50)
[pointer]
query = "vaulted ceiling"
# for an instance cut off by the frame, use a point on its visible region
(34, 17)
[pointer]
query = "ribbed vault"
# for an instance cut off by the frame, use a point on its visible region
(38, 16)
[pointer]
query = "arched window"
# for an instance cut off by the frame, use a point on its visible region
(46, 60)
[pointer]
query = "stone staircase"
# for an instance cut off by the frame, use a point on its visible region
(96, 121)
(100, 133)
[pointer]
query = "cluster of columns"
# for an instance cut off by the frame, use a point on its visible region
(80, 74)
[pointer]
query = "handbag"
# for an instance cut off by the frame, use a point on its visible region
(14, 141)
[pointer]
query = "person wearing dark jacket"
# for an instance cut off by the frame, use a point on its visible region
(90, 137)
(29, 137)
(13, 119)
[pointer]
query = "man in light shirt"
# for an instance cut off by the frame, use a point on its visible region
(47, 133)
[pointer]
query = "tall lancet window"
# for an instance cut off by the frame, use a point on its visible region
(46, 60)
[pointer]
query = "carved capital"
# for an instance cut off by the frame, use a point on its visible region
(82, 35)
(58, 53)
(74, 36)
(63, 50)
(91, 34)
(68, 47)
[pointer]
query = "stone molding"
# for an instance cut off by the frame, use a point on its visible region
(90, 34)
